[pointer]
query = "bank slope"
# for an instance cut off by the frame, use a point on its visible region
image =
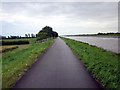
(101, 63)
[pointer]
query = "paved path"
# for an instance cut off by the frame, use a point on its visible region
(57, 68)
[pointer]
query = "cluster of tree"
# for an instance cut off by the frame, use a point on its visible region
(46, 32)
(30, 35)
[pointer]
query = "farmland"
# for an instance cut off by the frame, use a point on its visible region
(7, 48)
(17, 61)
(10, 44)
(101, 63)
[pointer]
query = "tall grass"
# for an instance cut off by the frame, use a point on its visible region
(101, 63)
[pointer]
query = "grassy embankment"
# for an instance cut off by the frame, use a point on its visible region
(101, 63)
(16, 62)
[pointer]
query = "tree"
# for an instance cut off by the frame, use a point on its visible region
(26, 35)
(46, 32)
(32, 35)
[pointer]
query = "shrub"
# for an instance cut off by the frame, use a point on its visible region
(15, 42)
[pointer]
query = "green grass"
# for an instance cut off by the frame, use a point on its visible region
(101, 63)
(15, 63)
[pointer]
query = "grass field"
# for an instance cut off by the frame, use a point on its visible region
(16, 62)
(102, 64)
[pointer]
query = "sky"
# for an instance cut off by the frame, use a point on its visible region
(20, 18)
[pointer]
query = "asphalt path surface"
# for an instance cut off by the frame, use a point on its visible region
(57, 68)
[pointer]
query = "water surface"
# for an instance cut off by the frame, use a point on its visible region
(107, 43)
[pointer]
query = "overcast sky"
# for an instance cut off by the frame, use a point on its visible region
(19, 18)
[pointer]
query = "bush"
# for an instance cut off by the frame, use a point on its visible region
(15, 42)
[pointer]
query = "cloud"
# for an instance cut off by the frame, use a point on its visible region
(59, 0)
(70, 17)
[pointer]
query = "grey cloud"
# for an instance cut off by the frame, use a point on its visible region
(95, 10)
(59, 0)
(80, 11)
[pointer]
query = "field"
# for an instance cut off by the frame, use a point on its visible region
(29, 39)
(16, 62)
(101, 63)
(7, 48)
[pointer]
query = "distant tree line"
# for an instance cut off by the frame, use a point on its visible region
(108, 33)
(19, 37)
(46, 32)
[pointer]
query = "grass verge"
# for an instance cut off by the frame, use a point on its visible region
(101, 63)
(16, 62)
